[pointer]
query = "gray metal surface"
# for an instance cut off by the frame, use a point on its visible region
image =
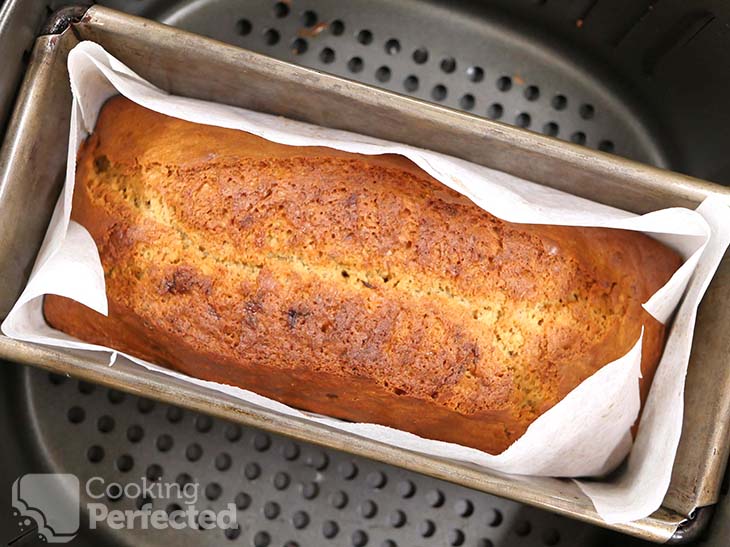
(19, 25)
(285, 491)
(56, 423)
(642, 142)
(24, 180)
(485, 66)
(653, 69)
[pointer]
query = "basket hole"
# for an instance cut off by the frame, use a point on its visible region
(261, 539)
(271, 36)
(365, 37)
(281, 480)
(213, 491)
(233, 532)
(551, 537)
(523, 528)
(203, 423)
(193, 452)
(125, 463)
(578, 137)
(233, 432)
(174, 414)
(464, 508)
(406, 489)
(382, 74)
(327, 55)
(143, 501)
(532, 93)
(95, 453)
(348, 470)
(310, 490)
(86, 388)
(392, 47)
(368, 509)
(435, 498)
(359, 538)
(154, 472)
(114, 492)
(397, 519)
(456, 537)
(244, 27)
(411, 83)
(587, 111)
(115, 397)
(495, 111)
(271, 510)
(559, 102)
(427, 528)
(183, 479)
(164, 442)
(281, 9)
(300, 520)
(551, 129)
(438, 93)
(523, 119)
(290, 451)
(252, 471)
(339, 499)
(420, 56)
(606, 145)
(76, 414)
(135, 433)
(309, 18)
(475, 74)
(337, 27)
(105, 424)
(330, 529)
(377, 480)
(145, 406)
(355, 64)
(56, 379)
(467, 101)
(504, 83)
(242, 501)
(448, 65)
(223, 461)
(299, 46)
(261, 442)
(496, 518)
(319, 460)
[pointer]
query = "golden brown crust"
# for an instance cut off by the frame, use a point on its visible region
(348, 285)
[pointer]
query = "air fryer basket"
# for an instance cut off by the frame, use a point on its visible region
(628, 77)
(645, 79)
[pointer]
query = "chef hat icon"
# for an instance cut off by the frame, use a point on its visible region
(48, 502)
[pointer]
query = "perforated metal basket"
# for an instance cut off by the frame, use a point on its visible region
(488, 60)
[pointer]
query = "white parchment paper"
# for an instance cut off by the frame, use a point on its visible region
(586, 434)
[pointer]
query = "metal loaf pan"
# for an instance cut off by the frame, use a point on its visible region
(32, 162)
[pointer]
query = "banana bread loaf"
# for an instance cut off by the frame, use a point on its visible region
(353, 286)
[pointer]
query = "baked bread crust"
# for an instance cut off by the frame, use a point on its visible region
(349, 285)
